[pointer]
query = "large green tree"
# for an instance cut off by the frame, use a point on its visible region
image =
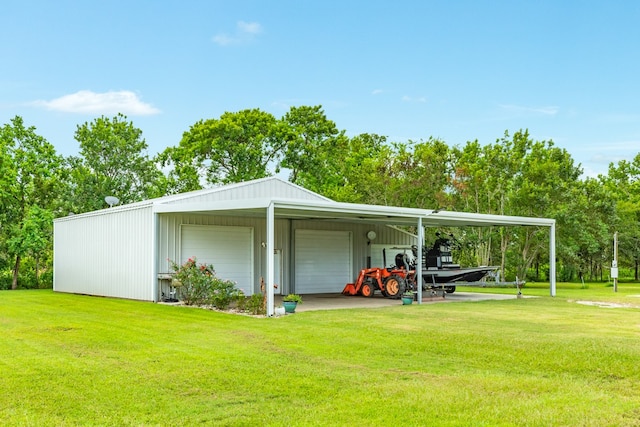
(33, 237)
(422, 172)
(313, 144)
(30, 172)
(622, 185)
(353, 170)
(515, 176)
(236, 147)
(585, 222)
(113, 161)
(542, 188)
(481, 180)
(361, 170)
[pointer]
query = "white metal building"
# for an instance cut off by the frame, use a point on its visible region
(266, 228)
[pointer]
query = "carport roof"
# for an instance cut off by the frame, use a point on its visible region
(349, 212)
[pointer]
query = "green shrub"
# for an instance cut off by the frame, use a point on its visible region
(240, 300)
(5, 279)
(46, 280)
(222, 293)
(254, 304)
(293, 298)
(199, 285)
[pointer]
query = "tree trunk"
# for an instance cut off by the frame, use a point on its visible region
(483, 248)
(504, 244)
(16, 269)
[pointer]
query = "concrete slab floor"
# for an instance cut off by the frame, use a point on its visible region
(312, 302)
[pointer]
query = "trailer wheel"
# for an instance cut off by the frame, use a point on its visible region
(394, 286)
(450, 289)
(366, 290)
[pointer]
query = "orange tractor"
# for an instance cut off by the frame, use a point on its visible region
(392, 282)
(438, 272)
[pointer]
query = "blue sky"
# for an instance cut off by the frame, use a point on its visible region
(456, 70)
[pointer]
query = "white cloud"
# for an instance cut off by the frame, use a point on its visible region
(377, 92)
(245, 32)
(410, 99)
(86, 101)
(249, 27)
(223, 40)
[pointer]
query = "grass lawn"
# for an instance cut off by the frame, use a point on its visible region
(69, 360)
(628, 293)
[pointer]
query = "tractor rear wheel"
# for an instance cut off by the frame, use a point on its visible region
(394, 286)
(366, 290)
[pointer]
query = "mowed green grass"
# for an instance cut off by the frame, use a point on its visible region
(69, 360)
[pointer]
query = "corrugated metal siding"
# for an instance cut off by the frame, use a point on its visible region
(361, 248)
(169, 240)
(323, 260)
(228, 249)
(107, 255)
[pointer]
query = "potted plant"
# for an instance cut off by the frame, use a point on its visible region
(408, 297)
(290, 302)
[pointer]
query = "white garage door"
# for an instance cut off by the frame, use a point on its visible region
(229, 249)
(322, 261)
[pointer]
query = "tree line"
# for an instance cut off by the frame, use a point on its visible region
(515, 175)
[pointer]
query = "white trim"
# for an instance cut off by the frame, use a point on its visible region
(224, 205)
(107, 211)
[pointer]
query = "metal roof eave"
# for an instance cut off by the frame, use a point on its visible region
(200, 207)
(303, 209)
(485, 220)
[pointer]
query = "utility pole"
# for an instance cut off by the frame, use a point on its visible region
(614, 263)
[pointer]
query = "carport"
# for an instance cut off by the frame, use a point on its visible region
(276, 208)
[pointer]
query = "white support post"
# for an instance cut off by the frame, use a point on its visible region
(270, 259)
(419, 260)
(155, 229)
(552, 259)
(614, 264)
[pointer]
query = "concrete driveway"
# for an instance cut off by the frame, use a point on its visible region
(337, 301)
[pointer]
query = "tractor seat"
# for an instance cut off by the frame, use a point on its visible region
(402, 261)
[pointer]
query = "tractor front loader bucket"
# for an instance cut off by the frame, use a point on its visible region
(350, 289)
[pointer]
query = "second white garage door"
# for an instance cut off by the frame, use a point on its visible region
(323, 261)
(229, 249)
